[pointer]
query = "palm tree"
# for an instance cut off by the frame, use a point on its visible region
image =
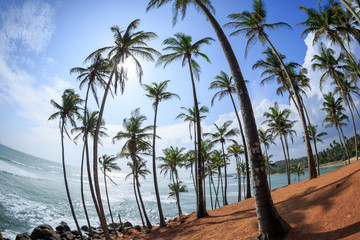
(184, 49)
(136, 141)
(190, 116)
(107, 165)
(327, 63)
(92, 76)
(335, 117)
(226, 87)
(220, 136)
(324, 22)
(298, 169)
(216, 159)
(157, 92)
(253, 24)
(266, 139)
(316, 138)
(128, 44)
(90, 121)
(173, 158)
(68, 110)
(235, 149)
(279, 125)
(270, 222)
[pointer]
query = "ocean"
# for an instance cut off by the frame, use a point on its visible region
(32, 192)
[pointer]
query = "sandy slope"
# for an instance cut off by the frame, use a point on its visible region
(327, 207)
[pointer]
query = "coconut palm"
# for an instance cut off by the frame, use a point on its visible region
(329, 65)
(253, 25)
(221, 135)
(108, 164)
(136, 138)
(184, 49)
(325, 22)
(90, 121)
(217, 161)
(269, 221)
(335, 117)
(279, 125)
(266, 139)
(316, 137)
(157, 92)
(128, 44)
(173, 158)
(223, 83)
(67, 111)
(235, 149)
(93, 76)
(298, 169)
(189, 116)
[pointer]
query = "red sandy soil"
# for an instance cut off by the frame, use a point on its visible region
(327, 207)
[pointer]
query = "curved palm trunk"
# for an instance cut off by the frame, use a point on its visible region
(317, 158)
(148, 224)
(224, 160)
(161, 215)
(95, 161)
(342, 144)
(201, 212)
(137, 201)
(347, 153)
(217, 191)
(82, 191)
(248, 191)
(268, 163)
(239, 177)
(286, 165)
(177, 194)
(270, 223)
(108, 202)
(211, 201)
(288, 155)
(196, 169)
(65, 179)
(311, 164)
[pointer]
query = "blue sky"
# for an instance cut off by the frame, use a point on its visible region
(40, 41)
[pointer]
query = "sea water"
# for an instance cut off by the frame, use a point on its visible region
(32, 192)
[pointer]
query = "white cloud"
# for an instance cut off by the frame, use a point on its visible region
(30, 23)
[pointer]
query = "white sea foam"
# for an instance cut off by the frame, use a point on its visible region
(14, 170)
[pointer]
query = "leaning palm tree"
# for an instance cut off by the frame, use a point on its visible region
(223, 83)
(136, 138)
(316, 137)
(335, 117)
(221, 135)
(173, 158)
(329, 65)
(266, 139)
(269, 221)
(90, 121)
(128, 44)
(184, 49)
(108, 164)
(157, 92)
(253, 25)
(68, 110)
(93, 76)
(235, 149)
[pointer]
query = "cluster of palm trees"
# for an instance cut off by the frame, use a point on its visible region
(107, 71)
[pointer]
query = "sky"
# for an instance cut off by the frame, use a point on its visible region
(40, 41)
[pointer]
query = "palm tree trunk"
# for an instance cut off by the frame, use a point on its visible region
(217, 192)
(137, 200)
(239, 177)
(269, 221)
(82, 191)
(108, 202)
(288, 155)
(347, 153)
(354, 107)
(311, 164)
(65, 179)
(224, 160)
(211, 201)
(148, 224)
(201, 212)
(268, 162)
(248, 191)
(317, 158)
(342, 144)
(177, 194)
(161, 215)
(196, 169)
(354, 127)
(95, 160)
(286, 165)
